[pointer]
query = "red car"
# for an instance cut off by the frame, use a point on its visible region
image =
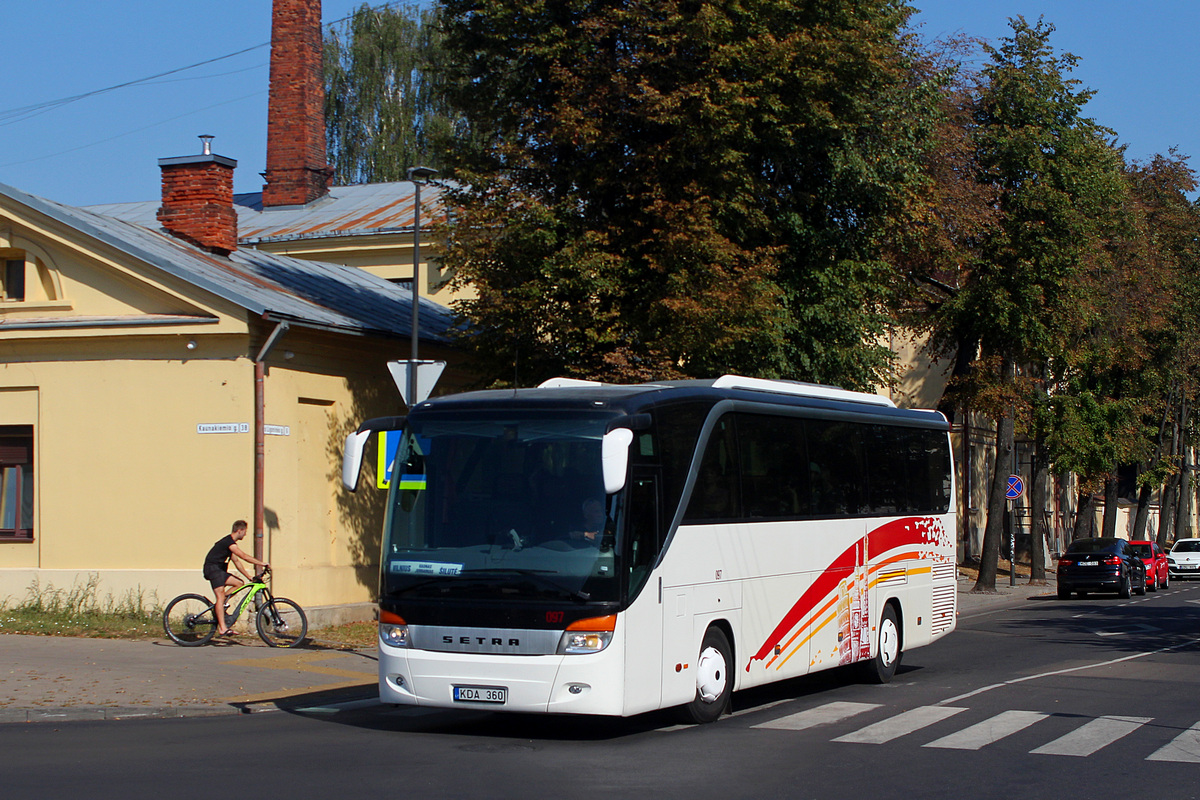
(1156, 563)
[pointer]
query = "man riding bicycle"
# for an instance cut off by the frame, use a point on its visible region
(216, 569)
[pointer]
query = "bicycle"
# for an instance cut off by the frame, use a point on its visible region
(188, 620)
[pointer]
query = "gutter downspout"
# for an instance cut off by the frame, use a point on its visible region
(260, 403)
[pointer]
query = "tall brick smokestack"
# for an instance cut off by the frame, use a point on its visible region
(197, 200)
(297, 168)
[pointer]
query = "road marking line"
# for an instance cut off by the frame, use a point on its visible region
(989, 731)
(755, 709)
(900, 725)
(1089, 738)
(1184, 747)
(1067, 671)
(1133, 627)
(821, 715)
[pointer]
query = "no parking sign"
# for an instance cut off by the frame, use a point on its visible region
(1016, 487)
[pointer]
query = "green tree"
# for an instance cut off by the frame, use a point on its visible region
(1163, 292)
(386, 106)
(1057, 186)
(653, 188)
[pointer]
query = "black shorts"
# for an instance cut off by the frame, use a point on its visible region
(216, 576)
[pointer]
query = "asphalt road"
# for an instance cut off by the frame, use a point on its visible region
(1093, 698)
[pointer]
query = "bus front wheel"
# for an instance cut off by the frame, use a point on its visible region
(882, 667)
(714, 679)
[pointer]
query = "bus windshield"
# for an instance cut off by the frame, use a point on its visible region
(503, 506)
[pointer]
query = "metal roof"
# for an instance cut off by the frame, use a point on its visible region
(308, 293)
(362, 210)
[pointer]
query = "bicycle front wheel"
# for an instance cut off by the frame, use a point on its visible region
(281, 623)
(188, 620)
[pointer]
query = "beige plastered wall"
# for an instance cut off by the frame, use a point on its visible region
(130, 495)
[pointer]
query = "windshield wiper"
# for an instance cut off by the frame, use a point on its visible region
(539, 574)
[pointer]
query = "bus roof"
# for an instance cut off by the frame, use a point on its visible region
(635, 398)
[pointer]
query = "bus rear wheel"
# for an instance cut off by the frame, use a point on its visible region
(888, 652)
(714, 679)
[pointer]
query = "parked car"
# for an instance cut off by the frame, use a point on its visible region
(1184, 559)
(1100, 565)
(1158, 573)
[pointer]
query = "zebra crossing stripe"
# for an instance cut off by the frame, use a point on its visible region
(821, 715)
(988, 731)
(1184, 747)
(900, 725)
(1089, 738)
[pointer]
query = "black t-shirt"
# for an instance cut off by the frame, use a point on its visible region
(219, 555)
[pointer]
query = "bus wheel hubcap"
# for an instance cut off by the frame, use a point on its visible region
(889, 642)
(710, 675)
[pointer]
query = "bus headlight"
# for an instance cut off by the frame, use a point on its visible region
(393, 630)
(587, 635)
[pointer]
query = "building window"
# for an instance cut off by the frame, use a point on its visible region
(14, 279)
(16, 483)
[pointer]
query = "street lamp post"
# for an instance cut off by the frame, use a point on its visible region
(419, 176)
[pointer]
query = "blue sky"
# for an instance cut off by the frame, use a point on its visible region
(1137, 57)
(104, 147)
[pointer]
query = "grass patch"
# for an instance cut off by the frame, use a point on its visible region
(353, 635)
(79, 611)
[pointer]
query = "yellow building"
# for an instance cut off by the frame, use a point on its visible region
(134, 362)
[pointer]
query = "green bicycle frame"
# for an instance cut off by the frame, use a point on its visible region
(252, 591)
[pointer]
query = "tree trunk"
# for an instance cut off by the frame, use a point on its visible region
(1166, 511)
(1110, 505)
(1142, 517)
(1161, 536)
(994, 531)
(1037, 523)
(1085, 512)
(1183, 501)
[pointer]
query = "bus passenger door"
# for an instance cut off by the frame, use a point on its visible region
(643, 618)
(679, 648)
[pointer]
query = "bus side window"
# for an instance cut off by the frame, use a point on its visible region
(775, 477)
(643, 530)
(836, 472)
(715, 494)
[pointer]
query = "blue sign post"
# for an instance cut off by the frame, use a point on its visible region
(1013, 492)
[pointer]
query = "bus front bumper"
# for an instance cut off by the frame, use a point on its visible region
(559, 684)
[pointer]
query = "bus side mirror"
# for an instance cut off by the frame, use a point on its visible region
(356, 443)
(352, 457)
(614, 458)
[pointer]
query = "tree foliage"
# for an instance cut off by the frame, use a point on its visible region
(653, 188)
(1056, 186)
(386, 103)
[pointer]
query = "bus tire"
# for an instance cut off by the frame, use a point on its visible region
(888, 652)
(714, 679)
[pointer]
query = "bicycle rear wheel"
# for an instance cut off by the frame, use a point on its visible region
(188, 620)
(281, 623)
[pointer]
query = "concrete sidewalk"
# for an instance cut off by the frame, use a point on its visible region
(47, 678)
(53, 679)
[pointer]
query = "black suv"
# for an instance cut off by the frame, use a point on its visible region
(1100, 565)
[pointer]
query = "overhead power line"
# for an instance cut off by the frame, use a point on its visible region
(12, 116)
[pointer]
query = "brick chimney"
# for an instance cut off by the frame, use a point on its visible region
(197, 199)
(297, 168)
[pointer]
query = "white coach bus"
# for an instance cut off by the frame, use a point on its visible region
(589, 548)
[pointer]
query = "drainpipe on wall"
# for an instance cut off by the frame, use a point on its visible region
(260, 403)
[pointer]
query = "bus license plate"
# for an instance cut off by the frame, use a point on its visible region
(481, 694)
